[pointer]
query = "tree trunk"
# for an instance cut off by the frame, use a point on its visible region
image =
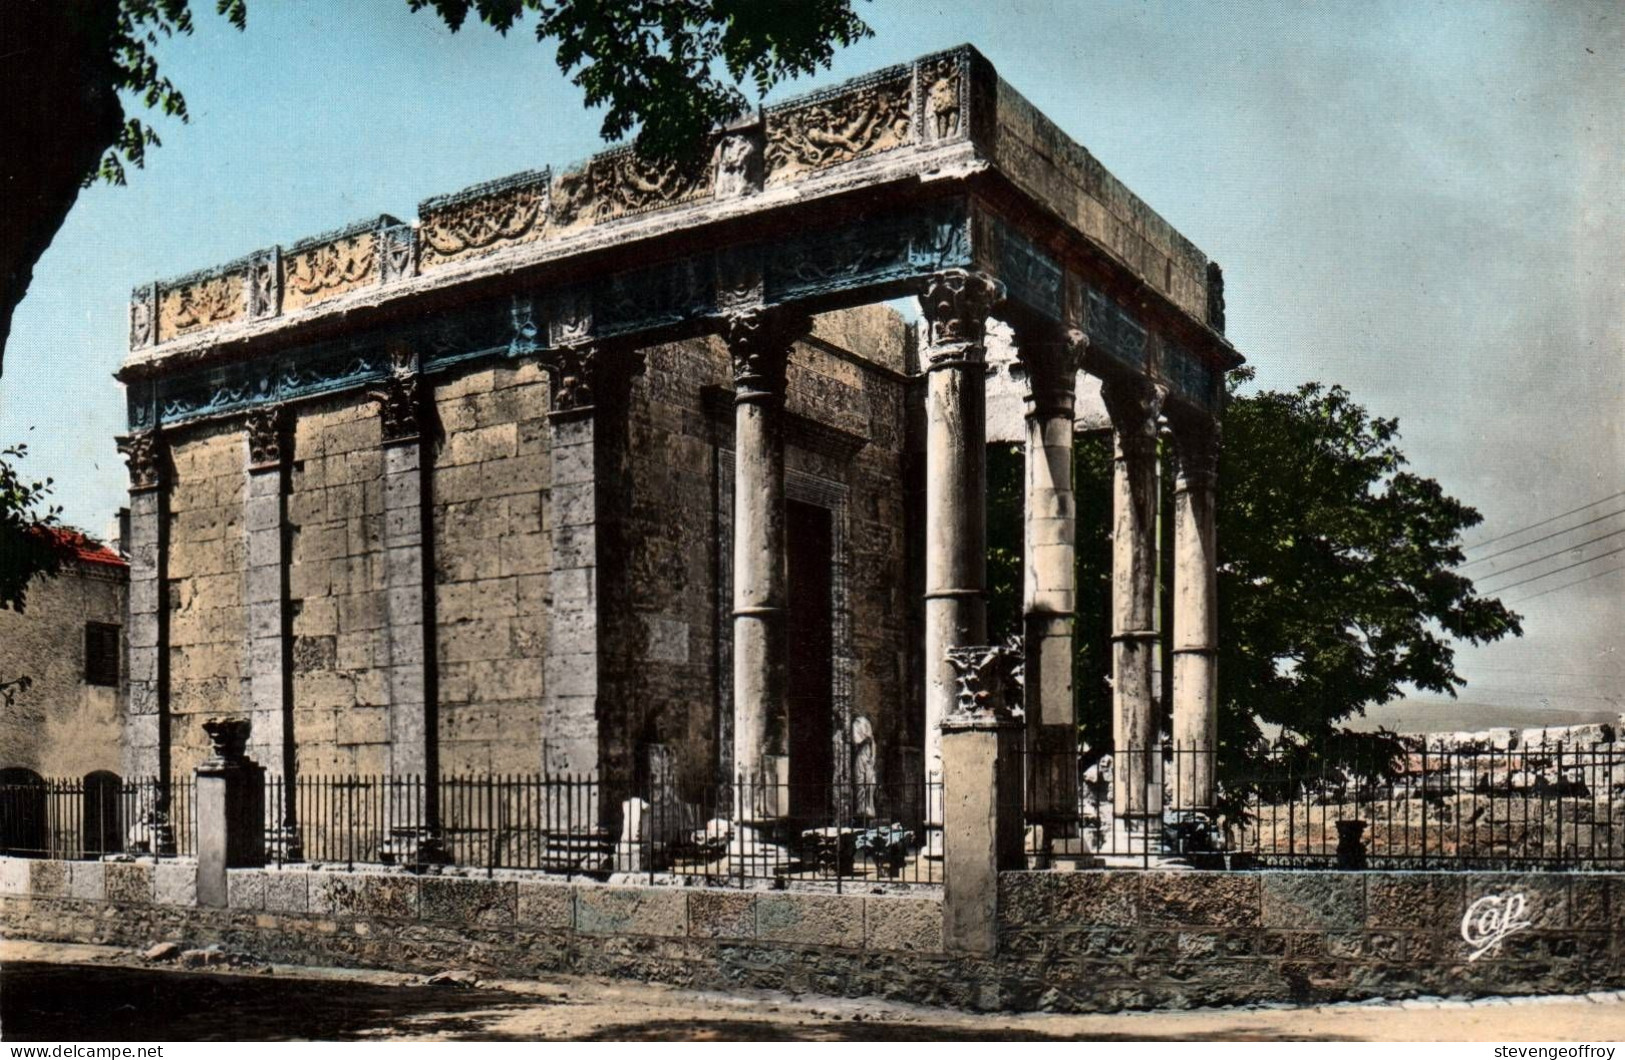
(59, 113)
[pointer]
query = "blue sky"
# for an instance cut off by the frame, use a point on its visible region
(1417, 200)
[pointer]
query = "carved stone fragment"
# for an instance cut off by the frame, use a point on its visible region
(312, 274)
(739, 164)
(143, 316)
(200, 304)
(263, 284)
(941, 86)
(1215, 297)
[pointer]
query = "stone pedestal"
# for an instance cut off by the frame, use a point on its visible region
(230, 810)
(955, 306)
(982, 826)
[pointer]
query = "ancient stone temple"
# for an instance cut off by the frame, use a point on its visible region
(626, 469)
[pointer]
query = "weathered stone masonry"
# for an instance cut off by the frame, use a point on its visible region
(1068, 942)
(506, 446)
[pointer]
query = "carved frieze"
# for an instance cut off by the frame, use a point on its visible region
(265, 428)
(316, 272)
(865, 119)
(483, 219)
(143, 316)
(143, 452)
(623, 183)
(200, 303)
(526, 333)
(956, 304)
(1114, 333)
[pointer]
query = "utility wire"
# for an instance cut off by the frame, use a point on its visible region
(1543, 522)
(1538, 540)
(1570, 585)
(1560, 570)
(1552, 555)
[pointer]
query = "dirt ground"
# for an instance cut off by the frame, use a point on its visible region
(69, 993)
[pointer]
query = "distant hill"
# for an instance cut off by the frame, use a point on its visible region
(1420, 715)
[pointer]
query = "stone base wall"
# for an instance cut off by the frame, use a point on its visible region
(1075, 942)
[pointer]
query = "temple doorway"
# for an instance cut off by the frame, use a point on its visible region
(810, 558)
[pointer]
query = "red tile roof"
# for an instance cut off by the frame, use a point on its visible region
(84, 549)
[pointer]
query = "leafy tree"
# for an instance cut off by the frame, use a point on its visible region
(1337, 580)
(72, 65)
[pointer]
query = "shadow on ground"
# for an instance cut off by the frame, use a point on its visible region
(67, 1002)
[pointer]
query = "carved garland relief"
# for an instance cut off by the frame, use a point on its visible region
(328, 269)
(865, 121)
(621, 184)
(201, 304)
(468, 229)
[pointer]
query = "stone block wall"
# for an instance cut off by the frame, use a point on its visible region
(490, 484)
(207, 565)
(1079, 942)
(336, 580)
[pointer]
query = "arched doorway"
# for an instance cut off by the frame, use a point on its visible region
(24, 831)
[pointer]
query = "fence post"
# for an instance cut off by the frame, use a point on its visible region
(981, 795)
(230, 809)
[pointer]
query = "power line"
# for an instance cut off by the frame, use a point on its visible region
(1552, 555)
(1543, 522)
(1569, 585)
(1538, 540)
(1559, 570)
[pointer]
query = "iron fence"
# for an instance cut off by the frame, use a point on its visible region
(829, 833)
(98, 815)
(1534, 807)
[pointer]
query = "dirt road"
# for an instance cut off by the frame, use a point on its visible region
(89, 993)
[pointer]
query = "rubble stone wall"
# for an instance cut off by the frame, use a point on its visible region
(1092, 941)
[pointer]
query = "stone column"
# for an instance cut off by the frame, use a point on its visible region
(146, 719)
(230, 810)
(409, 613)
(982, 826)
(1133, 405)
(1196, 616)
(760, 340)
(1049, 593)
(955, 307)
(270, 633)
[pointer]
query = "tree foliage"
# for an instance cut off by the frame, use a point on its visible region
(27, 548)
(668, 69)
(1338, 586)
(657, 65)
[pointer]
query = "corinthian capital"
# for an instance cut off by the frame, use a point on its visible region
(144, 453)
(265, 435)
(760, 340)
(955, 305)
(1135, 406)
(1051, 355)
(400, 403)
